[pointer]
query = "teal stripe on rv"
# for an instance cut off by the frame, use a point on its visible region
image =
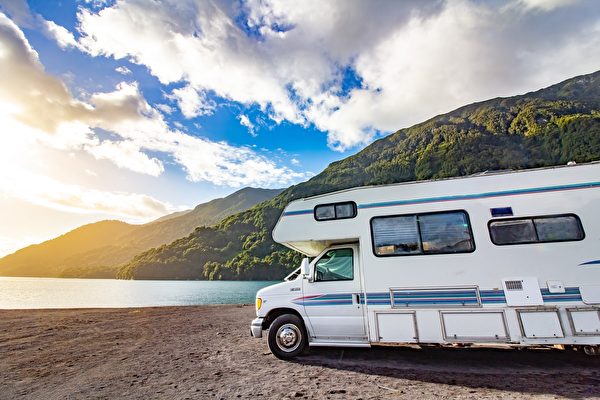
(545, 189)
(415, 299)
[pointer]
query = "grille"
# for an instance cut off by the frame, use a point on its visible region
(514, 285)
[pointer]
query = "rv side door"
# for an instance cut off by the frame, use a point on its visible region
(332, 299)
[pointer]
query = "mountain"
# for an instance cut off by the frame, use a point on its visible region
(172, 215)
(552, 126)
(96, 250)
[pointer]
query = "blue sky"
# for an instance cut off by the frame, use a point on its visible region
(132, 109)
(281, 141)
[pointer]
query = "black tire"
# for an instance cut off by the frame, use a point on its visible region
(287, 337)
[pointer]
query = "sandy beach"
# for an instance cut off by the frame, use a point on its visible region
(206, 352)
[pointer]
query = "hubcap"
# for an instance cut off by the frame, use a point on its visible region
(591, 350)
(288, 337)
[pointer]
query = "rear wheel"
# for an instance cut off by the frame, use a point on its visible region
(287, 336)
(592, 350)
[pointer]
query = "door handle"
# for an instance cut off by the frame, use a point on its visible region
(356, 299)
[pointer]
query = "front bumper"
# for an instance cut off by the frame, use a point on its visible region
(256, 327)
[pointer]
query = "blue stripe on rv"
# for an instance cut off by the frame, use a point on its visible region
(409, 298)
(587, 185)
(300, 212)
(593, 262)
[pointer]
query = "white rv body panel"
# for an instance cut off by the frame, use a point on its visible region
(530, 293)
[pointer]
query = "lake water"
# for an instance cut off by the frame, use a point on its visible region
(23, 293)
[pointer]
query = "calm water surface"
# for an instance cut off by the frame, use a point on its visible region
(21, 293)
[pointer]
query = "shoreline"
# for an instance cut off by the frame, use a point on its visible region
(126, 308)
(200, 352)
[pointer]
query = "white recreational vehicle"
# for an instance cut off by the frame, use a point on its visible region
(506, 257)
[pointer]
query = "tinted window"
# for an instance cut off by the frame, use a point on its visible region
(325, 212)
(396, 235)
(344, 210)
(445, 233)
(435, 233)
(557, 228)
(335, 265)
(513, 232)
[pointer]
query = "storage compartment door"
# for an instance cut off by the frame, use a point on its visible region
(590, 294)
(474, 326)
(540, 324)
(585, 322)
(397, 327)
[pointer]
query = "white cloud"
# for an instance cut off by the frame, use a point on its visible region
(51, 193)
(221, 164)
(245, 121)
(207, 50)
(295, 161)
(191, 102)
(414, 59)
(19, 11)
(97, 3)
(167, 109)
(60, 34)
(123, 70)
(545, 5)
(40, 106)
(127, 154)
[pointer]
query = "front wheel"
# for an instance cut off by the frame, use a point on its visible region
(287, 336)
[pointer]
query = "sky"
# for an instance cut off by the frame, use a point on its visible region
(133, 109)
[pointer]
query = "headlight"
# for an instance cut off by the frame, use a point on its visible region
(258, 303)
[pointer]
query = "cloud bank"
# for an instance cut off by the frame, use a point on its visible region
(51, 193)
(40, 105)
(410, 60)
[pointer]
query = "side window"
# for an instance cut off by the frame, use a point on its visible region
(513, 232)
(335, 265)
(324, 213)
(433, 233)
(327, 212)
(557, 228)
(396, 235)
(445, 233)
(345, 210)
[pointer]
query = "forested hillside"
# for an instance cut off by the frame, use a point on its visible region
(548, 127)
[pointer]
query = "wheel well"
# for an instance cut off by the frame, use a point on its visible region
(276, 313)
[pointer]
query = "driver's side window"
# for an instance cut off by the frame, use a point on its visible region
(335, 265)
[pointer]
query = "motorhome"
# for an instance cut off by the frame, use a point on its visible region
(498, 257)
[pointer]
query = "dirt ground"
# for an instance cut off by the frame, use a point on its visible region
(206, 352)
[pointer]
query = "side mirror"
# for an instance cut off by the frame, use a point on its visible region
(305, 267)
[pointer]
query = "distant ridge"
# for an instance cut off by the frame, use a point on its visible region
(96, 250)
